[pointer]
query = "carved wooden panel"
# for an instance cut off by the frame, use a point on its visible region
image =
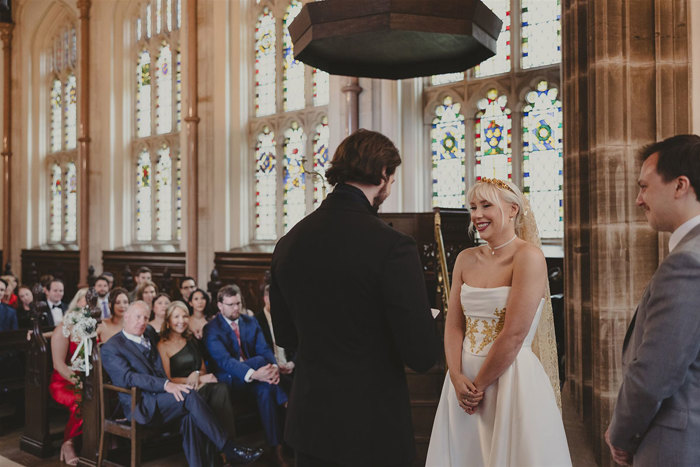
(63, 264)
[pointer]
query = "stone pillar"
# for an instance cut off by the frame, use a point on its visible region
(84, 139)
(6, 37)
(625, 68)
(192, 145)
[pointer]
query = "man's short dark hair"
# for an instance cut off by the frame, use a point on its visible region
(144, 269)
(230, 291)
(187, 278)
(55, 279)
(107, 274)
(678, 155)
(102, 278)
(362, 157)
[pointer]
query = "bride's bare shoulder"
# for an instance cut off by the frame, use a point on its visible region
(529, 256)
(468, 255)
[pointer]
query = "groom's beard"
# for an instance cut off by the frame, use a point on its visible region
(380, 197)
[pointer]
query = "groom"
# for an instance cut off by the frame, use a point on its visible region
(347, 293)
(657, 415)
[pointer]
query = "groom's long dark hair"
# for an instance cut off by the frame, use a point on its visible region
(362, 158)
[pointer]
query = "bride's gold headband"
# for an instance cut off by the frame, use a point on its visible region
(497, 182)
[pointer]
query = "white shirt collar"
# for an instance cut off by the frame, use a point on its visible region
(132, 337)
(682, 231)
(230, 321)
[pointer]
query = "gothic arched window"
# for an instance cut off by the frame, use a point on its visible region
(289, 119)
(158, 104)
(513, 115)
(62, 126)
(447, 145)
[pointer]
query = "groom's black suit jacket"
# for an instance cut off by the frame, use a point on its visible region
(348, 294)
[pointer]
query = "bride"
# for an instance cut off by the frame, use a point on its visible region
(498, 405)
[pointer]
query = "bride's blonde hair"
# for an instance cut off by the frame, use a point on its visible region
(496, 191)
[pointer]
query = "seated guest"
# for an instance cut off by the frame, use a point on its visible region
(131, 359)
(146, 292)
(142, 275)
(241, 357)
(110, 278)
(284, 358)
(24, 302)
(45, 280)
(183, 362)
(10, 298)
(118, 303)
(54, 299)
(102, 290)
(160, 307)
(199, 305)
(187, 286)
(8, 315)
(62, 387)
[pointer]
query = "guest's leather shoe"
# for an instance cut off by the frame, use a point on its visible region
(240, 454)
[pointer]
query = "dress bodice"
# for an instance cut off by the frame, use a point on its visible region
(187, 360)
(485, 314)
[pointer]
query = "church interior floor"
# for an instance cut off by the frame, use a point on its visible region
(11, 456)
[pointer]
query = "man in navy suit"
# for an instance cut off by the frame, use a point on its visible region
(241, 357)
(131, 359)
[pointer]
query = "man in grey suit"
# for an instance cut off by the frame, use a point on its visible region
(657, 416)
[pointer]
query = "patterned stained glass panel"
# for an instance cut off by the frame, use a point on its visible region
(178, 23)
(58, 55)
(321, 87)
(73, 48)
(265, 186)
(447, 145)
(143, 197)
(149, 21)
(294, 176)
(543, 159)
(169, 15)
(499, 63)
(139, 30)
(493, 137)
(178, 197)
(178, 91)
(70, 112)
(446, 78)
(56, 103)
(159, 16)
(293, 77)
(540, 32)
(164, 90)
(70, 213)
(143, 94)
(56, 201)
(321, 161)
(164, 195)
(265, 74)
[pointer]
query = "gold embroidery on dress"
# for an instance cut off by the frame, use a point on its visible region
(491, 328)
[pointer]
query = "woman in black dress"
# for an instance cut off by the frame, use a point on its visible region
(183, 363)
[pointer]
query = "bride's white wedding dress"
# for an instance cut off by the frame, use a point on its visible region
(518, 422)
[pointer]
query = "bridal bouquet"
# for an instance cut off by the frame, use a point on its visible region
(80, 327)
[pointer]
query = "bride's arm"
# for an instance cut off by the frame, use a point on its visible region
(529, 276)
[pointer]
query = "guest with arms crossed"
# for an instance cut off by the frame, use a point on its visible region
(241, 357)
(131, 359)
(118, 303)
(656, 420)
(183, 363)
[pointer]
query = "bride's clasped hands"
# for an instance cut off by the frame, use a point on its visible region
(468, 396)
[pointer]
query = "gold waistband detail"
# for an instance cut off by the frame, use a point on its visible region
(486, 329)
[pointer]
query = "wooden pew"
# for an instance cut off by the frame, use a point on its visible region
(13, 346)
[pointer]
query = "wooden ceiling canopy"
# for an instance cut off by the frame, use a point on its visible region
(394, 39)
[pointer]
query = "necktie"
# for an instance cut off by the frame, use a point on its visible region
(105, 311)
(237, 332)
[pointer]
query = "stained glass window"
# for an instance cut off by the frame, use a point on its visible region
(446, 78)
(143, 95)
(178, 92)
(143, 197)
(543, 159)
(71, 211)
(164, 91)
(265, 186)
(55, 204)
(70, 115)
(493, 137)
(139, 32)
(321, 160)
(293, 80)
(499, 63)
(321, 85)
(447, 145)
(179, 13)
(159, 16)
(149, 21)
(56, 116)
(178, 196)
(169, 14)
(265, 64)
(164, 194)
(294, 176)
(540, 32)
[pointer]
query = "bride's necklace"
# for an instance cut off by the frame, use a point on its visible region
(493, 250)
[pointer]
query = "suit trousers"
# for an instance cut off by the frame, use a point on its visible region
(198, 425)
(269, 397)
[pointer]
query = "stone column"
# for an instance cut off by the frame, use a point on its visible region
(625, 68)
(84, 139)
(6, 37)
(352, 90)
(191, 135)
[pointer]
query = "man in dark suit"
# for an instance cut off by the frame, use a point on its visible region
(241, 357)
(8, 315)
(347, 292)
(54, 299)
(131, 359)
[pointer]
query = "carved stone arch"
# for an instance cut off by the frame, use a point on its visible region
(257, 11)
(471, 109)
(438, 99)
(316, 118)
(531, 85)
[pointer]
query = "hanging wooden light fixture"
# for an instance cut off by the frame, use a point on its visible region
(394, 39)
